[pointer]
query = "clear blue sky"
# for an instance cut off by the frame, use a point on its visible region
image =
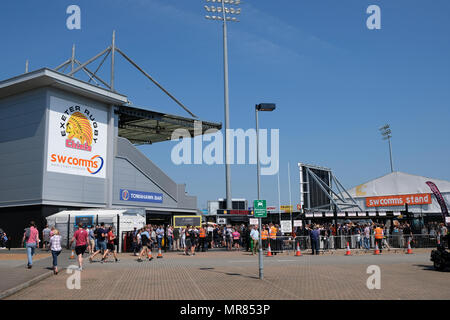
(334, 81)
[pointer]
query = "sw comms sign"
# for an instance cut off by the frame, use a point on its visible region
(77, 139)
(398, 200)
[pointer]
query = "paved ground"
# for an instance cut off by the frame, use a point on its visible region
(234, 276)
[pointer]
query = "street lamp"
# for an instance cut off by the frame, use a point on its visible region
(225, 14)
(386, 133)
(260, 107)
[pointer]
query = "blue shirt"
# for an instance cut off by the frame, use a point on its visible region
(315, 234)
(160, 233)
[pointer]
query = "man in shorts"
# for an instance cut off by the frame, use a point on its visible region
(111, 245)
(146, 244)
(81, 238)
(101, 243)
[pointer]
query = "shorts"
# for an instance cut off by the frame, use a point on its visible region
(110, 246)
(80, 250)
(188, 243)
(235, 241)
(101, 245)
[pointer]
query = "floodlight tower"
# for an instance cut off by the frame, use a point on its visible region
(225, 14)
(387, 135)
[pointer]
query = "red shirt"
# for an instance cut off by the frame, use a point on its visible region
(81, 236)
(111, 237)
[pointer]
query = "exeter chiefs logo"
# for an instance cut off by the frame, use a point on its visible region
(79, 127)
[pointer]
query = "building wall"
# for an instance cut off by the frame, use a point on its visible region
(22, 141)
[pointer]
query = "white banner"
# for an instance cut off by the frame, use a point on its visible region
(372, 214)
(329, 214)
(77, 139)
(221, 221)
(298, 223)
(286, 226)
(254, 221)
(361, 214)
(382, 214)
(317, 215)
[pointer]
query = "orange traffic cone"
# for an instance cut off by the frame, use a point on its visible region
(72, 256)
(348, 253)
(409, 251)
(159, 254)
(298, 253)
(269, 252)
(377, 251)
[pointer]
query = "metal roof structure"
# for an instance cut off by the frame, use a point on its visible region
(139, 126)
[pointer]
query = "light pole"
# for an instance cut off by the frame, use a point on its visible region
(224, 14)
(386, 133)
(260, 107)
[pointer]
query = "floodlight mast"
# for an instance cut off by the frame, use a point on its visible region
(387, 135)
(230, 10)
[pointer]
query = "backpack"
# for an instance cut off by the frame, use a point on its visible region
(27, 233)
(144, 239)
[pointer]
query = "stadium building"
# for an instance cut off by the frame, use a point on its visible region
(67, 144)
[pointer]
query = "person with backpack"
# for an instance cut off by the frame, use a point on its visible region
(81, 238)
(146, 244)
(31, 242)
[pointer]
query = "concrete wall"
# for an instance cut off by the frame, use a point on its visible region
(22, 141)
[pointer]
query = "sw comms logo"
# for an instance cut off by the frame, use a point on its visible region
(92, 165)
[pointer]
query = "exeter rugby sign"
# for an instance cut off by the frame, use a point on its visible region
(77, 138)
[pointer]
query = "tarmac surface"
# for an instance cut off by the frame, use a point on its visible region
(222, 275)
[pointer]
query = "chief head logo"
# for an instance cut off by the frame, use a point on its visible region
(79, 127)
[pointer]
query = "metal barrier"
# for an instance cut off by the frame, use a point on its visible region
(287, 243)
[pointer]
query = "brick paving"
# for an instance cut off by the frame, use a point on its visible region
(234, 276)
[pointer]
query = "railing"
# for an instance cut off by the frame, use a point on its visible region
(286, 243)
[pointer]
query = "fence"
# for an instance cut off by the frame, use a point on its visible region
(285, 243)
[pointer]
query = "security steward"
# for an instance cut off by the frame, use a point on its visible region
(379, 237)
(202, 238)
(264, 237)
(273, 237)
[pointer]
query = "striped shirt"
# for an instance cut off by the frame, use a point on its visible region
(55, 243)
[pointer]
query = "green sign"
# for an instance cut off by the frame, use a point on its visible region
(260, 209)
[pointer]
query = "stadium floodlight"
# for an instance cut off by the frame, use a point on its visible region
(227, 15)
(386, 133)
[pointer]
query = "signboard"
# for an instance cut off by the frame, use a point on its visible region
(317, 215)
(77, 139)
(286, 226)
(299, 207)
(361, 214)
(140, 196)
(254, 221)
(287, 209)
(397, 213)
(184, 221)
(271, 208)
(221, 221)
(351, 214)
(372, 214)
(260, 209)
(341, 214)
(447, 220)
(382, 214)
(309, 215)
(298, 223)
(329, 214)
(86, 221)
(398, 200)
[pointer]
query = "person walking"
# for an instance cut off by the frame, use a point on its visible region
(159, 236)
(81, 239)
(91, 240)
(236, 237)
(101, 243)
(170, 237)
(111, 245)
(188, 238)
(31, 242)
(55, 247)
(367, 237)
(146, 245)
(46, 238)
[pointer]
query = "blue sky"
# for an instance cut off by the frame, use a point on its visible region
(334, 81)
